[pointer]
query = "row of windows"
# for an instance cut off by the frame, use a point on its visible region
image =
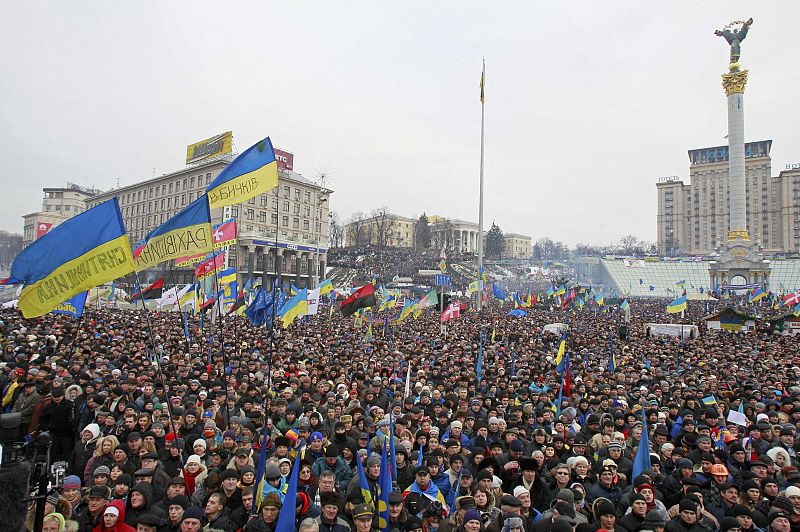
(166, 188)
(64, 208)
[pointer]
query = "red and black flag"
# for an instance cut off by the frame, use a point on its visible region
(151, 292)
(362, 298)
(240, 303)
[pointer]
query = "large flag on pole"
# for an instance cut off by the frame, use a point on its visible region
(151, 292)
(677, 305)
(362, 298)
(186, 233)
(286, 519)
(73, 306)
(384, 489)
(85, 251)
(642, 459)
(366, 494)
(261, 481)
(252, 173)
(297, 306)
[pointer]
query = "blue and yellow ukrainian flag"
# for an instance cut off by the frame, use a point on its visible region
(561, 348)
(252, 173)
(625, 305)
(677, 305)
(756, 294)
(366, 494)
(408, 308)
(297, 306)
(325, 287)
(186, 233)
(226, 276)
(680, 284)
(85, 251)
(612, 357)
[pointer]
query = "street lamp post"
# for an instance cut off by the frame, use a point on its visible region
(322, 197)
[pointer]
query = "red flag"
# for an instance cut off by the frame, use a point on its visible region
(151, 292)
(224, 233)
(569, 298)
(362, 298)
(210, 265)
(42, 228)
(453, 310)
(567, 380)
(791, 299)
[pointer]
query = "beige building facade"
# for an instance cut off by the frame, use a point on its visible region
(285, 229)
(59, 204)
(390, 229)
(517, 246)
(693, 218)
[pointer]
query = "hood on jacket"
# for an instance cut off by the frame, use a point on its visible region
(119, 505)
(145, 489)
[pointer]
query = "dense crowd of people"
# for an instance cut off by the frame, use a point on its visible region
(164, 432)
(388, 262)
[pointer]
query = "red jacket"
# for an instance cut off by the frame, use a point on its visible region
(120, 526)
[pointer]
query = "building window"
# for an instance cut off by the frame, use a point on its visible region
(285, 221)
(274, 219)
(263, 200)
(296, 223)
(297, 208)
(275, 203)
(191, 182)
(307, 211)
(170, 188)
(250, 214)
(308, 197)
(297, 194)
(285, 206)
(287, 191)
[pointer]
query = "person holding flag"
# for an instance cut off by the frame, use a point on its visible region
(423, 494)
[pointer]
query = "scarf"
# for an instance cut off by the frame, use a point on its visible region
(189, 478)
(431, 492)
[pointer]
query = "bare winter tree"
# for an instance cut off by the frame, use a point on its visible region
(10, 245)
(382, 224)
(355, 235)
(336, 231)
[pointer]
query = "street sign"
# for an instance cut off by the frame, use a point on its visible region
(442, 280)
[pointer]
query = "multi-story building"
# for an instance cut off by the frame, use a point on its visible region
(517, 246)
(790, 209)
(59, 204)
(454, 234)
(285, 229)
(385, 228)
(693, 218)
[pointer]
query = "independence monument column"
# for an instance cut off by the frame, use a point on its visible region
(733, 82)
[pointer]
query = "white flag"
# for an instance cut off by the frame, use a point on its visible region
(313, 301)
(170, 297)
(408, 382)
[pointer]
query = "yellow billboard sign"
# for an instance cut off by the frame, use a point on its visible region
(208, 148)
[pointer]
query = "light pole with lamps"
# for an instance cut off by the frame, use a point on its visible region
(322, 197)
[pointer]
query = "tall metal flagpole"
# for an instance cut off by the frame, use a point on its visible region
(480, 201)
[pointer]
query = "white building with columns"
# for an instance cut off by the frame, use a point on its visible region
(454, 234)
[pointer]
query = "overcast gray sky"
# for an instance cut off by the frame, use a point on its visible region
(587, 103)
